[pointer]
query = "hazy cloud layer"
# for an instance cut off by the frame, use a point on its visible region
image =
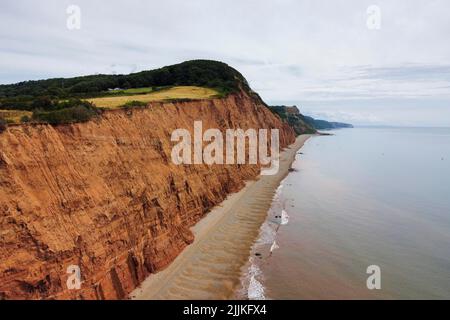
(319, 55)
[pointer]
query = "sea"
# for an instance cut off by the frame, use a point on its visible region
(364, 214)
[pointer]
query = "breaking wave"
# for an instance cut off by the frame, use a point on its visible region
(252, 281)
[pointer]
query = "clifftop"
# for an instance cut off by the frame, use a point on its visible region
(203, 73)
(70, 100)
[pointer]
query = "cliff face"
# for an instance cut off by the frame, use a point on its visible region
(105, 195)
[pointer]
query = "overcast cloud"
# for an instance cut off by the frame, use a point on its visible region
(319, 55)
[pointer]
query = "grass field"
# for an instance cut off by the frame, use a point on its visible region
(13, 116)
(181, 92)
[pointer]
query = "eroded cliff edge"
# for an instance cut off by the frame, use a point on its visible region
(106, 196)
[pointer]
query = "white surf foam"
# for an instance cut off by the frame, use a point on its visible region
(255, 289)
(253, 279)
(284, 217)
(274, 246)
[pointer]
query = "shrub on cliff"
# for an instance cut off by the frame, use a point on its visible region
(134, 104)
(174, 100)
(2, 125)
(25, 119)
(71, 111)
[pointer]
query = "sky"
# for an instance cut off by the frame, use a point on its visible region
(376, 62)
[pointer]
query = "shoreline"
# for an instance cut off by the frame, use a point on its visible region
(210, 268)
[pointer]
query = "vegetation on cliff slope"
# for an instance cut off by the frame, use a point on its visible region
(326, 125)
(2, 125)
(294, 118)
(304, 124)
(70, 111)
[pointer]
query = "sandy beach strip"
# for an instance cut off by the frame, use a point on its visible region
(210, 268)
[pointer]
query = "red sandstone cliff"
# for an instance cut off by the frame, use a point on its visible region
(105, 195)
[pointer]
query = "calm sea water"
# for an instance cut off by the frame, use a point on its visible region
(364, 196)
